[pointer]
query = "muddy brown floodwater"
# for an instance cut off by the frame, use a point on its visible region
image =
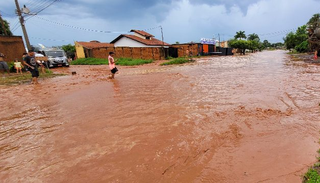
(244, 119)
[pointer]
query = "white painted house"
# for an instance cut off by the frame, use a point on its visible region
(139, 39)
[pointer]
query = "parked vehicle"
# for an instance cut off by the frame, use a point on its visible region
(56, 57)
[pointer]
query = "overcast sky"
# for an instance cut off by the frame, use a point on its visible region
(67, 21)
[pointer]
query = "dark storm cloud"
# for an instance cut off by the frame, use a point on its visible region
(126, 9)
(242, 4)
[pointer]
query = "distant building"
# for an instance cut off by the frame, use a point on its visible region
(138, 39)
(83, 48)
(222, 44)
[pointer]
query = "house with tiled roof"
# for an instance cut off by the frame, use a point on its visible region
(138, 39)
(83, 48)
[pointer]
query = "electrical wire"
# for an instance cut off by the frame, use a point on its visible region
(4, 13)
(47, 6)
(16, 25)
(40, 5)
(79, 28)
(48, 39)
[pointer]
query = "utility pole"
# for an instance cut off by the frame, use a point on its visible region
(4, 30)
(23, 26)
(162, 42)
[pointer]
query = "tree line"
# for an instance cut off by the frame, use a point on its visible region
(298, 40)
(251, 42)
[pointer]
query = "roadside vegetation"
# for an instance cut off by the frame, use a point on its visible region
(24, 78)
(312, 176)
(90, 61)
(132, 62)
(119, 61)
(251, 42)
(181, 60)
(297, 42)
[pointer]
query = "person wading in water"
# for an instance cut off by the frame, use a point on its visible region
(112, 65)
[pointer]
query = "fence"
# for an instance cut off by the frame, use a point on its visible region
(154, 53)
(182, 49)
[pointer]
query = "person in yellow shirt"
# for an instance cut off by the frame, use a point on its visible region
(18, 66)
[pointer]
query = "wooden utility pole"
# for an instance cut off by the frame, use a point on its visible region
(23, 26)
(4, 30)
(163, 50)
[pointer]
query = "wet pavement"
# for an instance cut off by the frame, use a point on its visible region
(252, 118)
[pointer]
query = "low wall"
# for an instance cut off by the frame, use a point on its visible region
(12, 47)
(146, 53)
(182, 49)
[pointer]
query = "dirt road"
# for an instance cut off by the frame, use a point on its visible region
(222, 119)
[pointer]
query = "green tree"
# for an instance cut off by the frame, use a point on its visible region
(7, 28)
(253, 45)
(314, 20)
(240, 35)
(266, 44)
(253, 36)
(70, 50)
(239, 44)
(302, 47)
(290, 40)
(294, 39)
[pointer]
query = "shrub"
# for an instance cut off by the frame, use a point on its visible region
(302, 47)
(131, 62)
(180, 60)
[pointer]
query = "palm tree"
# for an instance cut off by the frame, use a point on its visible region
(253, 36)
(240, 35)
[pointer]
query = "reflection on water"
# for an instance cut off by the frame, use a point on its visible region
(170, 124)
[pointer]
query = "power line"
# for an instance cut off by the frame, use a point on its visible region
(80, 28)
(37, 6)
(15, 26)
(47, 6)
(48, 39)
(31, 3)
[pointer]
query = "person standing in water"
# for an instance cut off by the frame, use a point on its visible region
(112, 65)
(31, 63)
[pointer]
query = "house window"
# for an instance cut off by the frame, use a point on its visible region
(148, 38)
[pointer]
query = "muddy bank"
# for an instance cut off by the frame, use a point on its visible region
(252, 118)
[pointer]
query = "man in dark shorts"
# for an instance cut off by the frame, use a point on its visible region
(31, 63)
(3, 65)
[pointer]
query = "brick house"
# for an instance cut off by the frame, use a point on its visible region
(83, 49)
(138, 39)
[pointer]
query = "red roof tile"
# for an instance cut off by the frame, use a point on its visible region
(152, 42)
(143, 33)
(95, 44)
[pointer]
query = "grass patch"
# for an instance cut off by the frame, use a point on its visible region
(312, 176)
(175, 61)
(131, 62)
(90, 61)
(24, 78)
(295, 52)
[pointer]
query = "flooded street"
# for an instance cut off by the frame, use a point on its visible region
(252, 118)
